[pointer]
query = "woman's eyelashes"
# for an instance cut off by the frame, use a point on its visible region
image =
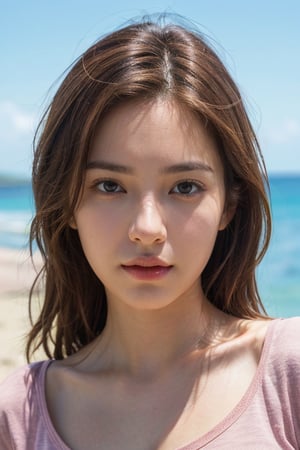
(187, 188)
(183, 188)
(108, 187)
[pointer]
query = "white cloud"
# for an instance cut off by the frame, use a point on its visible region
(286, 132)
(281, 146)
(16, 134)
(14, 120)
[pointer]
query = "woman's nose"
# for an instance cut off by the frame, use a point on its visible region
(147, 226)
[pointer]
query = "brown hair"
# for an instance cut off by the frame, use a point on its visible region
(140, 61)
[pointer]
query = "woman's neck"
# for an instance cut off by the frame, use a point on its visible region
(147, 343)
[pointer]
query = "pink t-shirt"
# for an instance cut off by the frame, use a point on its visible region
(267, 416)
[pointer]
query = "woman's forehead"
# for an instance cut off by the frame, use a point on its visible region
(152, 117)
(160, 129)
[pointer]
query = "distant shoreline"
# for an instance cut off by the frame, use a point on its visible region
(13, 180)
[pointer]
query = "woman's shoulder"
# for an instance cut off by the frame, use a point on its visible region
(22, 408)
(276, 343)
(284, 343)
(285, 337)
(22, 377)
(19, 388)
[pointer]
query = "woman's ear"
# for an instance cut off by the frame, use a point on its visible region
(227, 217)
(72, 223)
(230, 207)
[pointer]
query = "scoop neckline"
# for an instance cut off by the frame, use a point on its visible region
(203, 440)
(245, 400)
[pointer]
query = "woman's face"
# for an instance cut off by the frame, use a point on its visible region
(152, 205)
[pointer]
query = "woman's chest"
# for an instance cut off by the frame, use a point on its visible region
(165, 414)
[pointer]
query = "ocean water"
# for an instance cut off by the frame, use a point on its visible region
(16, 212)
(278, 274)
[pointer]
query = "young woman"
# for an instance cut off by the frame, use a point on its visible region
(151, 216)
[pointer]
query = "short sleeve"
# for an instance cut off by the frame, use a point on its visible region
(12, 404)
(19, 414)
(5, 437)
(284, 373)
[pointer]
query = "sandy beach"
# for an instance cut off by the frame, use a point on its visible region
(16, 276)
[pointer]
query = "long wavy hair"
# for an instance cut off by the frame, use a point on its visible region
(144, 60)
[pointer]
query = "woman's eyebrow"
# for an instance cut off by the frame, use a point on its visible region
(175, 168)
(187, 167)
(106, 165)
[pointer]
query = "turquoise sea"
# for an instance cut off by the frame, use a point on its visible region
(278, 275)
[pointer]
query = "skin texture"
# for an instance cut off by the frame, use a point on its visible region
(146, 212)
(155, 376)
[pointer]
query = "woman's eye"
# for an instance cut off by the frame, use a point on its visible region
(187, 188)
(109, 186)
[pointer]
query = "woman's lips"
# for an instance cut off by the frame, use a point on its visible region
(142, 272)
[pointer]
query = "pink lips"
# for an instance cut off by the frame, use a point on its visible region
(147, 268)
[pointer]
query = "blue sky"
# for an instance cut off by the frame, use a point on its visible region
(258, 40)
